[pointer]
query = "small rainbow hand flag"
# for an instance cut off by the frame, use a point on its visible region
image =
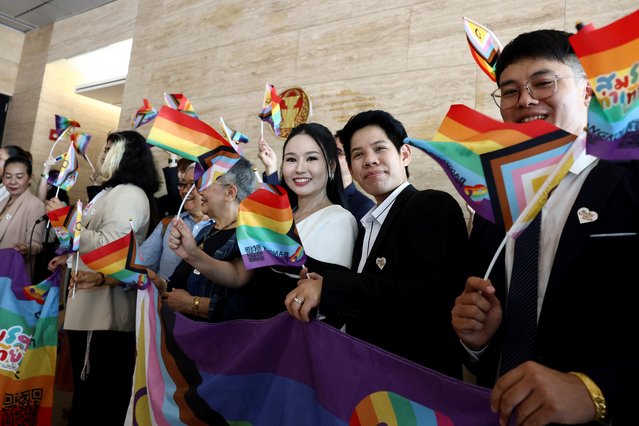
(143, 115)
(75, 225)
(69, 166)
(185, 136)
(121, 260)
(496, 167)
(610, 57)
(62, 123)
(233, 136)
(266, 232)
(179, 102)
(81, 142)
(271, 112)
(484, 46)
(218, 162)
(59, 216)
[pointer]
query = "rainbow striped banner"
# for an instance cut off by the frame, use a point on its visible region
(143, 115)
(610, 57)
(28, 343)
(269, 372)
(484, 46)
(121, 260)
(496, 167)
(266, 232)
(271, 111)
(185, 136)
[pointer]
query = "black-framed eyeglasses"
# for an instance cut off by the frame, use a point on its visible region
(184, 185)
(539, 87)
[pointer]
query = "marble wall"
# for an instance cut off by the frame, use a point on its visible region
(407, 57)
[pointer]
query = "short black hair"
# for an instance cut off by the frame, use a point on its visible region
(394, 129)
(552, 45)
(20, 159)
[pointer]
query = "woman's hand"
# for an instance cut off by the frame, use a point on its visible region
(53, 204)
(157, 281)
(181, 240)
(179, 300)
(22, 248)
(57, 262)
(267, 157)
(85, 280)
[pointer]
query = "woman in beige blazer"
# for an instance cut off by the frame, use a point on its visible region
(20, 211)
(100, 318)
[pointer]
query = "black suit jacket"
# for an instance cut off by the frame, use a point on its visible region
(592, 292)
(402, 300)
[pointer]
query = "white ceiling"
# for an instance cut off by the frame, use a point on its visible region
(26, 15)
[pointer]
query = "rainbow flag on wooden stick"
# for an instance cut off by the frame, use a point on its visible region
(610, 57)
(121, 260)
(496, 167)
(266, 232)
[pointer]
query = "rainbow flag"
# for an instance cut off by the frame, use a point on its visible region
(62, 123)
(234, 137)
(58, 217)
(179, 102)
(28, 343)
(119, 259)
(269, 372)
(69, 166)
(610, 57)
(266, 232)
(218, 162)
(143, 115)
(75, 225)
(496, 167)
(81, 142)
(185, 136)
(484, 46)
(271, 112)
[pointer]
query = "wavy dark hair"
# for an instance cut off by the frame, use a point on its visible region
(136, 165)
(325, 140)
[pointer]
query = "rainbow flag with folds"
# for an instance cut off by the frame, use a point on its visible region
(179, 102)
(28, 343)
(271, 111)
(484, 46)
(270, 372)
(120, 259)
(496, 167)
(68, 171)
(143, 115)
(219, 161)
(58, 217)
(81, 142)
(610, 57)
(266, 232)
(75, 225)
(186, 136)
(234, 137)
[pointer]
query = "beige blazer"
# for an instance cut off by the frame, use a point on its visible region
(18, 220)
(108, 307)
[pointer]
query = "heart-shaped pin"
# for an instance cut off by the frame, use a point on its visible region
(586, 216)
(381, 262)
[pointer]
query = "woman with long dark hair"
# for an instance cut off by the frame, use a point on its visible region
(100, 319)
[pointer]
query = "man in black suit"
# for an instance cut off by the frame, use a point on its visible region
(577, 370)
(408, 261)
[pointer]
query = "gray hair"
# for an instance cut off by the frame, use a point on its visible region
(242, 177)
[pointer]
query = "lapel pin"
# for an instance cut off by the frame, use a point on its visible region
(586, 216)
(381, 262)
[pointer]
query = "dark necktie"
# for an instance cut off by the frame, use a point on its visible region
(521, 304)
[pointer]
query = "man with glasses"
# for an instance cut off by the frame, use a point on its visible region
(565, 365)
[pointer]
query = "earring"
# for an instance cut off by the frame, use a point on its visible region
(331, 175)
